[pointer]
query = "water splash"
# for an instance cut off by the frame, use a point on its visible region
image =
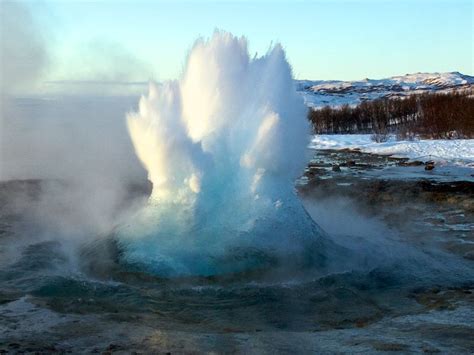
(222, 147)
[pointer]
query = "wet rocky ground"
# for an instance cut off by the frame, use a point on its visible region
(426, 205)
(426, 201)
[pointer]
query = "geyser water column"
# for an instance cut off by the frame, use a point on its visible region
(222, 147)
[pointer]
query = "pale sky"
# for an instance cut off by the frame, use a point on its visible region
(139, 40)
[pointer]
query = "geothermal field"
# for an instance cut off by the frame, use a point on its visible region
(231, 208)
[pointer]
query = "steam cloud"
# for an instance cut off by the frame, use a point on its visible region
(22, 49)
(76, 148)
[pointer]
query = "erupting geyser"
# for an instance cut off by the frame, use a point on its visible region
(222, 147)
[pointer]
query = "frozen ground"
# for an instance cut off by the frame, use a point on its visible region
(458, 152)
(440, 330)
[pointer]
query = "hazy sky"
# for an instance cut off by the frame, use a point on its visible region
(331, 39)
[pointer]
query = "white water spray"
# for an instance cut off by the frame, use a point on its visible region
(222, 147)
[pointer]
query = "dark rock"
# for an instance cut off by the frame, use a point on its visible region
(336, 168)
(429, 166)
(430, 350)
(411, 163)
(469, 255)
(382, 346)
(113, 347)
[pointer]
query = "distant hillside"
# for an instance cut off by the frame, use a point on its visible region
(337, 93)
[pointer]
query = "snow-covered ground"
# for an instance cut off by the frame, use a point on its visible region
(456, 151)
(320, 93)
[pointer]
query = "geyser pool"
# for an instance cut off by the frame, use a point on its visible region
(222, 147)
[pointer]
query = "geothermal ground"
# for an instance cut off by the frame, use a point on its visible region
(379, 206)
(160, 196)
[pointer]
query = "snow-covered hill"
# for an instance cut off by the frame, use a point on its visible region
(335, 93)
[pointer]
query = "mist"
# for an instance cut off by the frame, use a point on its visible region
(23, 51)
(73, 144)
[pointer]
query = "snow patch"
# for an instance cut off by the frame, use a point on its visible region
(457, 151)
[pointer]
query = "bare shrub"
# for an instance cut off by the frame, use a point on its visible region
(428, 115)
